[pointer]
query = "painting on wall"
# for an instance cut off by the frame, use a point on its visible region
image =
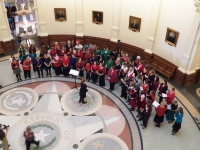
(171, 37)
(60, 14)
(97, 17)
(134, 23)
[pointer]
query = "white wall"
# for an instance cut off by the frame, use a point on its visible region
(56, 27)
(178, 16)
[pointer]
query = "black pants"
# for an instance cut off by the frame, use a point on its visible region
(28, 144)
(81, 99)
(57, 70)
(107, 70)
(145, 120)
(18, 77)
(112, 84)
(87, 75)
(48, 71)
(39, 70)
(66, 71)
(140, 114)
(34, 67)
(27, 73)
(160, 99)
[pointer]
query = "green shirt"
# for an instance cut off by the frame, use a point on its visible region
(109, 64)
(105, 55)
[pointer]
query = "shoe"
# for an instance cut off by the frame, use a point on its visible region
(157, 126)
(20, 79)
(137, 116)
(131, 109)
(38, 143)
(143, 127)
(169, 122)
(121, 96)
(84, 102)
(79, 101)
(109, 89)
(141, 124)
(173, 133)
(139, 120)
(17, 80)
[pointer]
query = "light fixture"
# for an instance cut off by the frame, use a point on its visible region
(197, 4)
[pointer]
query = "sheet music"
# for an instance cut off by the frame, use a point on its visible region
(164, 95)
(169, 107)
(141, 88)
(156, 104)
(74, 72)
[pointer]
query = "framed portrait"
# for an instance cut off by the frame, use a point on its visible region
(60, 14)
(171, 37)
(134, 23)
(97, 17)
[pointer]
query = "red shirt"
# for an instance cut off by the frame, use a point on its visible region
(152, 97)
(79, 65)
(156, 84)
(160, 111)
(112, 74)
(170, 97)
(140, 68)
(14, 65)
(88, 66)
(102, 70)
(79, 54)
(141, 104)
(87, 56)
(27, 65)
(56, 47)
(52, 53)
(94, 68)
(56, 62)
(65, 61)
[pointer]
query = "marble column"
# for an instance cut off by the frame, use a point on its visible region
(115, 20)
(40, 17)
(157, 4)
(5, 33)
(79, 17)
(191, 47)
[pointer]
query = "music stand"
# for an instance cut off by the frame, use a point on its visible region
(74, 73)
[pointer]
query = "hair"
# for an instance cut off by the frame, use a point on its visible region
(163, 103)
(146, 81)
(173, 89)
(28, 128)
(142, 96)
(174, 102)
(113, 67)
(157, 78)
(152, 71)
(83, 80)
(149, 106)
(165, 81)
(139, 76)
(152, 92)
(180, 109)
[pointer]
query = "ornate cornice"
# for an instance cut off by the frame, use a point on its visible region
(197, 4)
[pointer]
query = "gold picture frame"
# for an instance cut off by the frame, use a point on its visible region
(60, 14)
(171, 37)
(134, 23)
(97, 17)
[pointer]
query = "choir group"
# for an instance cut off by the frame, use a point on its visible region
(139, 84)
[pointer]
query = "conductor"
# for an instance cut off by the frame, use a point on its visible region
(83, 91)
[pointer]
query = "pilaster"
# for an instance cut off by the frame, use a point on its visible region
(79, 17)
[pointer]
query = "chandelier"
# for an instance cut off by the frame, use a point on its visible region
(197, 4)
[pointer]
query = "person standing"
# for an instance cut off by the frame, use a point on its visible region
(172, 111)
(19, 39)
(160, 112)
(47, 64)
(109, 64)
(94, 70)
(57, 64)
(87, 70)
(33, 56)
(83, 91)
(29, 138)
(16, 70)
(112, 77)
(26, 38)
(140, 107)
(4, 138)
(146, 114)
(66, 66)
(27, 68)
(178, 117)
(80, 67)
(162, 90)
(39, 66)
(101, 73)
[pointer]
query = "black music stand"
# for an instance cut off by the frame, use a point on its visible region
(74, 73)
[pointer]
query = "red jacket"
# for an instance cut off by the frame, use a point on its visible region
(88, 67)
(87, 56)
(152, 97)
(56, 63)
(94, 68)
(145, 88)
(160, 111)
(14, 65)
(27, 65)
(112, 74)
(140, 68)
(102, 70)
(79, 54)
(79, 65)
(141, 104)
(170, 97)
(65, 61)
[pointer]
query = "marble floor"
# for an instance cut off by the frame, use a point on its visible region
(50, 105)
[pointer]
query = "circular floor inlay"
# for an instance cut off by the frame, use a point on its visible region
(104, 141)
(70, 102)
(53, 131)
(18, 100)
(198, 91)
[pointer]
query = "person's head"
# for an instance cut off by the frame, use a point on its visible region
(65, 55)
(45, 55)
(125, 64)
(142, 97)
(113, 67)
(106, 48)
(79, 59)
(131, 69)
(131, 83)
(174, 102)
(56, 43)
(152, 71)
(172, 89)
(156, 78)
(146, 81)
(28, 59)
(68, 42)
(134, 21)
(42, 45)
(83, 80)
(165, 82)
(28, 128)
(163, 103)
(12, 55)
(152, 92)
(138, 57)
(95, 63)
(60, 12)
(148, 106)
(73, 56)
(37, 58)
(180, 109)
(139, 76)
(14, 60)
(24, 32)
